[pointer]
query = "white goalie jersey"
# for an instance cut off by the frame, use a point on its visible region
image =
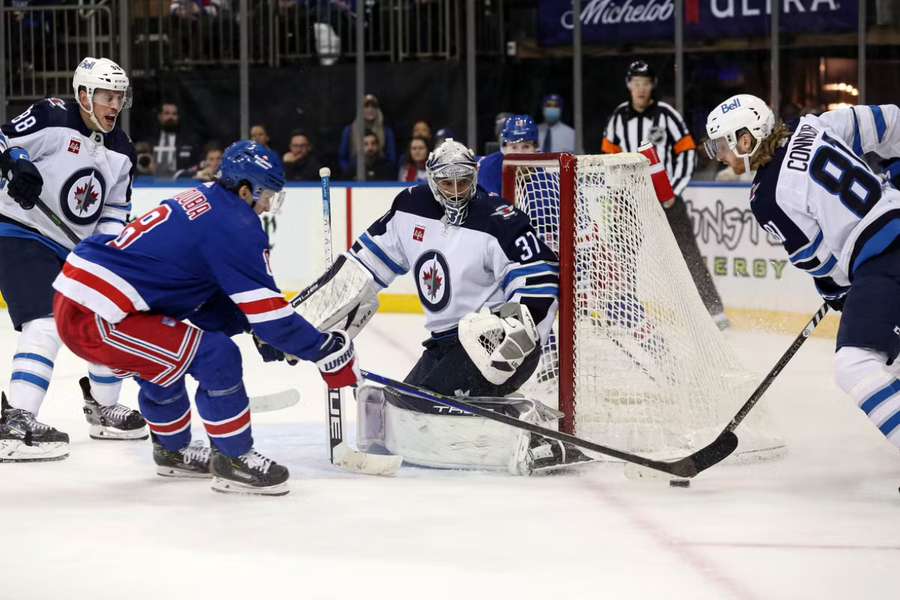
(87, 175)
(493, 258)
(823, 201)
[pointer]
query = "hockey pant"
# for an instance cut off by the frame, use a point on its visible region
(159, 351)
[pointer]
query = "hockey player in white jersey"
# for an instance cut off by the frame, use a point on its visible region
(70, 157)
(489, 286)
(837, 220)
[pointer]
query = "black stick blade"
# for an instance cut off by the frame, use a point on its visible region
(715, 452)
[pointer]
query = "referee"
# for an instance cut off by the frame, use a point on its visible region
(644, 119)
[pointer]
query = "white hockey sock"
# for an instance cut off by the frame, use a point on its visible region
(105, 386)
(873, 386)
(32, 364)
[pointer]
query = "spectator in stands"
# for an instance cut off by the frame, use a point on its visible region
(492, 146)
(373, 120)
(422, 129)
(300, 163)
(174, 148)
(413, 167)
(553, 134)
(192, 9)
(377, 166)
(146, 164)
(260, 135)
(206, 169)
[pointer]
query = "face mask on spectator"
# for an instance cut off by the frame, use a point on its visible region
(552, 114)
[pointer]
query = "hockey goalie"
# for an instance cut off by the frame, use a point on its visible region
(489, 286)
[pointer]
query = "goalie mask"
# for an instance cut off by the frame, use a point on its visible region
(452, 176)
(727, 122)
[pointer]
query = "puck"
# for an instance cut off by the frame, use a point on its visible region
(680, 483)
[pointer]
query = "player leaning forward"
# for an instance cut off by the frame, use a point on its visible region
(489, 288)
(838, 222)
(72, 156)
(121, 301)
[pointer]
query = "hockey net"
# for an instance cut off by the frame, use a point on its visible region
(635, 361)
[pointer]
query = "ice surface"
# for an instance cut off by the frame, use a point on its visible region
(822, 523)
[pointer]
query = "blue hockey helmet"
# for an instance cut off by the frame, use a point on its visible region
(519, 128)
(246, 162)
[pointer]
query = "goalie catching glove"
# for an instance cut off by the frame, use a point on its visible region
(499, 343)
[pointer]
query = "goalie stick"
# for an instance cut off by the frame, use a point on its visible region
(686, 467)
(340, 453)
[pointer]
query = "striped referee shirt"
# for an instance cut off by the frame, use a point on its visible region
(661, 125)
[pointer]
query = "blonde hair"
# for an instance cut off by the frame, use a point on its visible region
(775, 140)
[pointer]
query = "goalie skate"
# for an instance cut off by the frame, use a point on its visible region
(25, 439)
(249, 473)
(547, 456)
(116, 422)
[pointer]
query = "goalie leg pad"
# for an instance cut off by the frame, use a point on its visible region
(345, 297)
(370, 404)
(437, 436)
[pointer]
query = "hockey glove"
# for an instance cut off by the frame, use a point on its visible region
(836, 304)
(25, 181)
(498, 344)
(338, 362)
(270, 353)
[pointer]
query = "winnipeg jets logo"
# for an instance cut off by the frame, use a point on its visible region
(81, 196)
(433, 281)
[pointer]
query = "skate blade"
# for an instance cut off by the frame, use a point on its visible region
(180, 473)
(100, 432)
(227, 486)
(17, 451)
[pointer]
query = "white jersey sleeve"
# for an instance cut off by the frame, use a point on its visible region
(868, 128)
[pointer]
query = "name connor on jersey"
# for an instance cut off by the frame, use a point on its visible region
(800, 152)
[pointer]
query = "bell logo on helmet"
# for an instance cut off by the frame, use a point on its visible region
(729, 106)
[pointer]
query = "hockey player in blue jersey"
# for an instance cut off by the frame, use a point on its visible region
(202, 255)
(489, 286)
(71, 156)
(837, 220)
(518, 136)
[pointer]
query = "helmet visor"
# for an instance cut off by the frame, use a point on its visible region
(112, 98)
(717, 148)
(273, 200)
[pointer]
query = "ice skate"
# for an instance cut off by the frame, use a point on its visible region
(190, 462)
(25, 439)
(249, 473)
(116, 422)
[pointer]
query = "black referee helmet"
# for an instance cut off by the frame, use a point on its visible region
(640, 69)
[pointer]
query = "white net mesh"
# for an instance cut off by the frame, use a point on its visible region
(652, 373)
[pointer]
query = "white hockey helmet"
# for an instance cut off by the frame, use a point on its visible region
(731, 119)
(452, 176)
(101, 73)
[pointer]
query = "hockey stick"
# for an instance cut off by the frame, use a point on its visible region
(340, 453)
(48, 212)
(770, 377)
(273, 402)
(686, 467)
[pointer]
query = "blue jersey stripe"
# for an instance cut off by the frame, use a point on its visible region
(34, 357)
(808, 250)
(877, 244)
(382, 256)
(30, 378)
(824, 269)
(529, 270)
(880, 125)
(888, 427)
(111, 220)
(857, 143)
(550, 290)
(880, 396)
(103, 379)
